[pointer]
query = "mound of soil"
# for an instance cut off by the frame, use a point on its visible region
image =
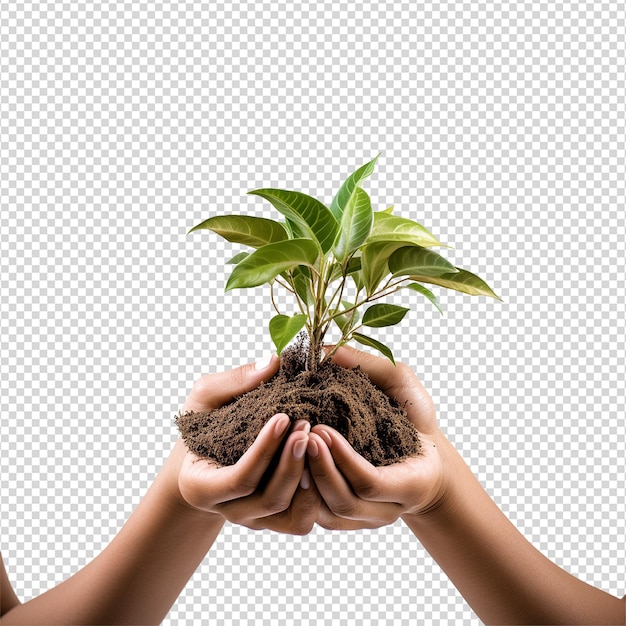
(376, 425)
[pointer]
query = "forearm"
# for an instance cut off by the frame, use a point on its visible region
(138, 577)
(500, 574)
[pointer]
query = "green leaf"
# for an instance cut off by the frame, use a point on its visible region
(462, 281)
(238, 257)
(381, 347)
(387, 228)
(301, 277)
(413, 260)
(425, 292)
(308, 216)
(379, 315)
(343, 320)
(356, 224)
(340, 201)
(374, 263)
(354, 265)
(357, 277)
(284, 328)
(251, 231)
(349, 305)
(267, 262)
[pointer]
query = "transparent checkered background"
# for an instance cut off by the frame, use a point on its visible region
(502, 127)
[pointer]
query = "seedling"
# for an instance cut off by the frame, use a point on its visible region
(337, 261)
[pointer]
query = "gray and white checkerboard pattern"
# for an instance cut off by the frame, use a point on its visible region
(503, 130)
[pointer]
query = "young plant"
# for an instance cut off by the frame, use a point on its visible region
(335, 261)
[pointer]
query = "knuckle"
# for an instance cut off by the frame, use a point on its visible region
(346, 510)
(265, 456)
(245, 486)
(251, 524)
(293, 475)
(390, 519)
(366, 491)
(275, 505)
(302, 528)
(319, 474)
(405, 373)
(331, 523)
(239, 375)
(203, 386)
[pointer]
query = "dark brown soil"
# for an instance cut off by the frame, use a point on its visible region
(376, 426)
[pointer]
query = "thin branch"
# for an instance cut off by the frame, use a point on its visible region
(345, 336)
(387, 290)
(315, 270)
(285, 285)
(301, 305)
(338, 291)
(334, 349)
(325, 329)
(272, 297)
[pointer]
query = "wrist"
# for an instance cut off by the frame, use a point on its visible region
(445, 493)
(171, 491)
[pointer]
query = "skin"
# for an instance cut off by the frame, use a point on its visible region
(139, 575)
(501, 575)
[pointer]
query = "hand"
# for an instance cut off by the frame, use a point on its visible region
(356, 494)
(236, 492)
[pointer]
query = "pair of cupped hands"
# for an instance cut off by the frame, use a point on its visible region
(318, 478)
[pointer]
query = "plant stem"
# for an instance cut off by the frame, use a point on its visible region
(387, 290)
(303, 306)
(272, 298)
(346, 333)
(338, 292)
(316, 335)
(285, 285)
(334, 349)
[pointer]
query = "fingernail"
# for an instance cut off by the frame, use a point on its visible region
(282, 424)
(299, 448)
(325, 435)
(305, 481)
(302, 425)
(264, 361)
(312, 448)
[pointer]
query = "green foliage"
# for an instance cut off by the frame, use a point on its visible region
(414, 261)
(321, 255)
(374, 343)
(306, 216)
(356, 224)
(251, 231)
(384, 315)
(270, 260)
(284, 328)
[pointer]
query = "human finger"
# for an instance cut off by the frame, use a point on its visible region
(254, 462)
(358, 472)
(298, 519)
(212, 391)
(279, 491)
(303, 425)
(204, 484)
(338, 494)
(390, 483)
(328, 520)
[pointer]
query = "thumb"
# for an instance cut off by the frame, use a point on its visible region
(212, 391)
